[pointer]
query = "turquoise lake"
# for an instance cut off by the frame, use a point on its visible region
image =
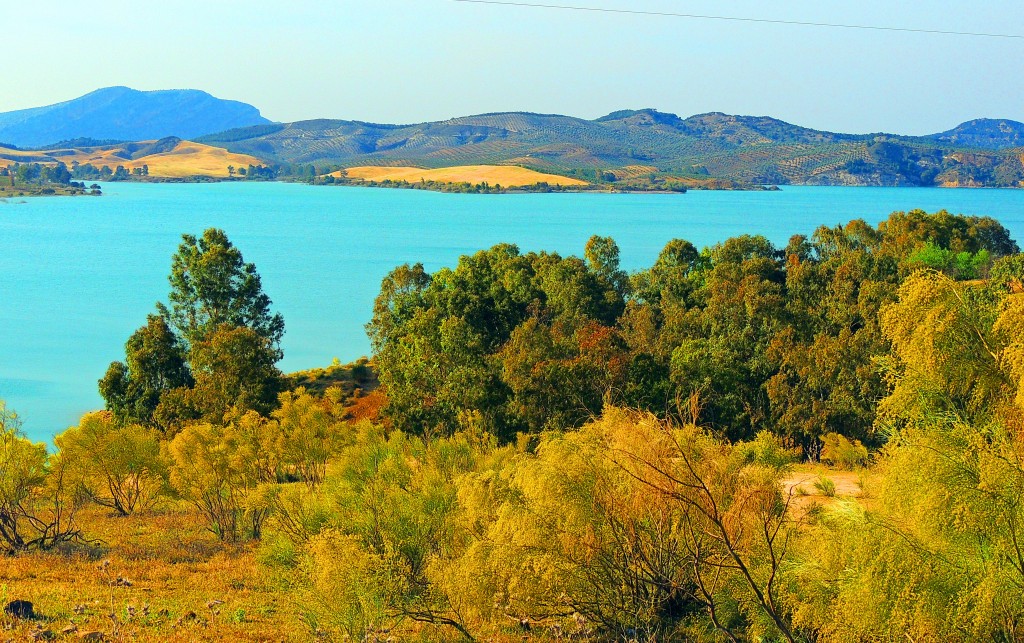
(78, 275)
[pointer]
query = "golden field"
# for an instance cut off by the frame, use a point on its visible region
(504, 175)
(156, 576)
(185, 159)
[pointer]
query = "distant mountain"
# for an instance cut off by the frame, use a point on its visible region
(989, 133)
(645, 142)
(124, 114)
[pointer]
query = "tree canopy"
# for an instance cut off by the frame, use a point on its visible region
(211, 350)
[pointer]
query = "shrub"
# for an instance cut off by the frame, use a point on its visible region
(211, 469)
(311, 431)
(839, 451)
(36, 511)
(119, 467)
(826, 486)
(768, 450)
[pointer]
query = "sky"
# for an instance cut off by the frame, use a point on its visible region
(406, 61)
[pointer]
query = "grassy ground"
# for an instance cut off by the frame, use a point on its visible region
(504, 175)
(167, 579)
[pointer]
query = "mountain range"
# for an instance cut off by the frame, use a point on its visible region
(745, 149)
(125, 114)
(623, 145)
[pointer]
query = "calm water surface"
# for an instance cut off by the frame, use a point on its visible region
(79, 275)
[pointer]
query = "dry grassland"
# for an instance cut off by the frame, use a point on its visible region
(504, 175)
(186, 159)
(167, 579)
(806, 483)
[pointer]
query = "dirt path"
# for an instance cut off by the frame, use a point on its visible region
(805, 493)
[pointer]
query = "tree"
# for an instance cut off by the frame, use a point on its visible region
(234, 370)
(154, 364)
(211, 284)
(213, 349)
(602, 254)
(937, 554)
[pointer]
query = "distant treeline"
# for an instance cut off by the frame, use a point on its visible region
(461, 187)
(42, 179)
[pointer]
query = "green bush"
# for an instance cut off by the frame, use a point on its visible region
(767, 449)
(839, 451)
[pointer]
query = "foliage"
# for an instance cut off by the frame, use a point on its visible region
(778, 339)
(212, 285)
(310, 433)
(768, 450)
(438, 338)
(212, 352)
(841, 452)
(234, 370)
(625, 527)
(372, 532)
(213, 468)
(36, 508)
(114, 465)
(826, 486)
(154, 364)
(937, 557)
(960, 265)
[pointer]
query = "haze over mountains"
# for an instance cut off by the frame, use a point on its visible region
(745, 149)
(124, 114)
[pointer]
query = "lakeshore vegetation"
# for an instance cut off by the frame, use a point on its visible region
(816, 442)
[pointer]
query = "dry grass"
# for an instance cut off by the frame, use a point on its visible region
(504, 175)
(801, 484)
(186, 159)
(189, 159)
(9, 156)
(176, 571)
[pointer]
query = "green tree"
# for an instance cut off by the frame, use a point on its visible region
(211, 284)
(213, 349)
(602, 254)
(154, 364)
(234, 370)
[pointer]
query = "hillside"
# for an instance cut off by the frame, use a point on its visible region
(985, 133)
(125, 114)
(509, 176)
(745, 149)
(705, 149)
(168, 158)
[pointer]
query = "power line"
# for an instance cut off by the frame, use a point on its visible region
(800, 23)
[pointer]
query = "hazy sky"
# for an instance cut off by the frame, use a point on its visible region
(416, 60)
